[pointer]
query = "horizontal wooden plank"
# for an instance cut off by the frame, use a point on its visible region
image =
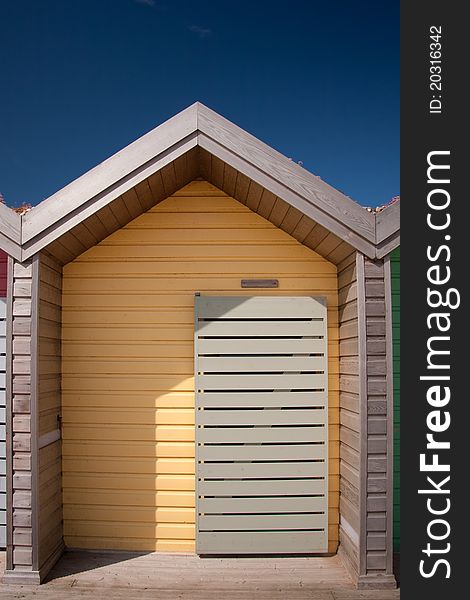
(142, 514)
(129, 498)
(257, 487)
(262, 382)
(283, 542)
(125, 465)
(258, 328)
(263, 434)
(102, 529)
(258, 470)
(273, 416)
(260, 452)
(260, 346)
(237, 307)
(137, 329)
(137, 416)
(214, 282)
(262, 399)
(240, 364)
(132, 482)
(255, 523)
(267, 504)
(145, 268)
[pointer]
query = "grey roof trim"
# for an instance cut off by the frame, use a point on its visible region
(388, 229)
(291, 175)
(23, 236)
(388, 222)
(10, 232)
(105, 175)
(83, 210)
(286, 193)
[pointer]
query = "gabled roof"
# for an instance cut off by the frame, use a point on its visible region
(10, 232)
(198, 142)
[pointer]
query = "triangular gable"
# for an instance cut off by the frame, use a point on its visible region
(200, 130)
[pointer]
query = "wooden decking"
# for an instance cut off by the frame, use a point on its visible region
(113, 575)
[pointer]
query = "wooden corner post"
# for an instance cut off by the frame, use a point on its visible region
(22, 455)
(376, 412)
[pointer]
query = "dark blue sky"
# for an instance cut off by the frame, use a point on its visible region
(317, 80)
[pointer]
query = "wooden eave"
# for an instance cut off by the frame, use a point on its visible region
(198, 143)
(10, 232)
(388, 229)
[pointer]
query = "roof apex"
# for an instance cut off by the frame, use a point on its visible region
(198, 125)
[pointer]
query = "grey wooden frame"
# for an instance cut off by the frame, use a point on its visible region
(22, 564)
(373, 235)
(368, 236)
(10, 232)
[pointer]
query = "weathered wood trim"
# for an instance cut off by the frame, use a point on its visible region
(22, 529)
(49, 411)
(11, 248)
(294, 177)
(48, 438)
(377, 581)
(388, 245)
(349, 414)
(343, 229)
(198, 125)
(21, 578)
(389, 359)
(130, 162)
(52, 228)
(11, 224)
(51, 561)
(35, 410)
(362, 336)
(387, 222)
(378, 400)
(9, 415)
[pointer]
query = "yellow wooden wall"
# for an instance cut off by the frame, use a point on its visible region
(128, 402)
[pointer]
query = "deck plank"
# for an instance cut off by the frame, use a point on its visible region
(81, 575)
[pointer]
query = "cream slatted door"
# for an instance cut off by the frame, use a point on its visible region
(261, 425)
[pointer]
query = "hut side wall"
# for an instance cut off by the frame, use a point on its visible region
(49, 410)
(3, 307)
(22, 560)
(128, 371)
(34, 481)
(395, 273)
(378, 474)
(376, 391)
(350, 419)
(366, 389)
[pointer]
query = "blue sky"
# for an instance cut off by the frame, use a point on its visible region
(317, 80)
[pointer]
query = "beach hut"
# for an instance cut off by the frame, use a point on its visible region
(199, 359)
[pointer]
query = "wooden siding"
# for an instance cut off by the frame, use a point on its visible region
(49, 408)
(3, 466)
(350, 436)
(21, 511)
(395, 268)
(128, 365)
(379, 478)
